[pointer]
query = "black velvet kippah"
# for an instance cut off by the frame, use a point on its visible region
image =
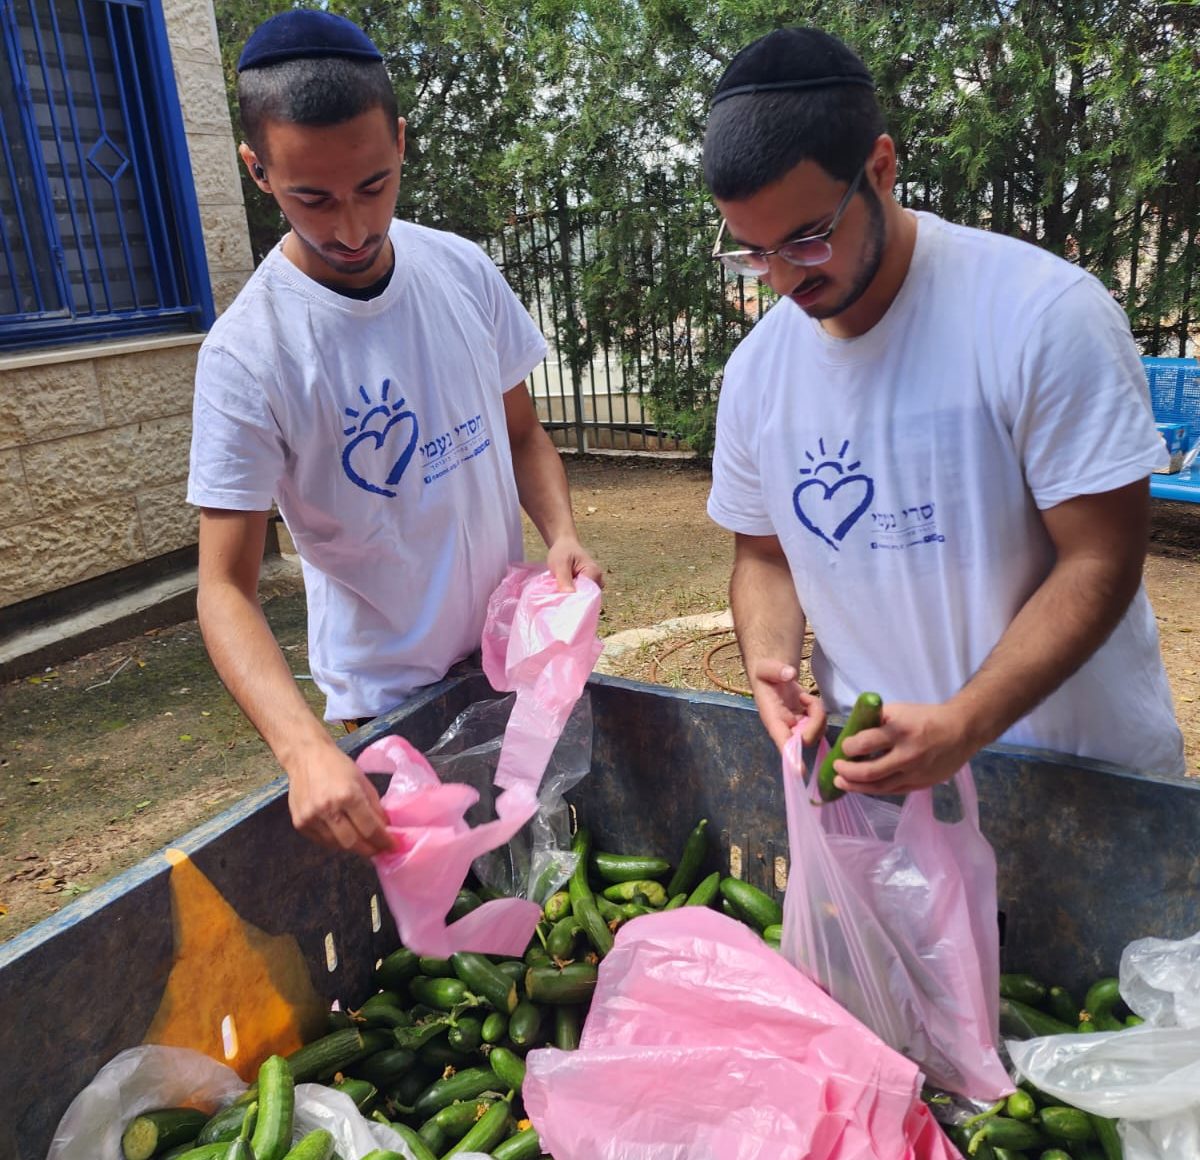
(791, 59)
(305, 32)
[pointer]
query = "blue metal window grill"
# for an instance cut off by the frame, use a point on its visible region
(99, 229)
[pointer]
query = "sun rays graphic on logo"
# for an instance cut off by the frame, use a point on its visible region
(834, 497)
(382, 438)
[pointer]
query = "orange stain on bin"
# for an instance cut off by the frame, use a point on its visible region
(234, 992)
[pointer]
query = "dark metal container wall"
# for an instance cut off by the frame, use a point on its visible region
(1090, 857)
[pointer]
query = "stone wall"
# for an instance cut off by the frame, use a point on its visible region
(94, 439)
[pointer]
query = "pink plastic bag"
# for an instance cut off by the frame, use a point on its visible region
(893, 912)
(542, 644)
(703, 1043)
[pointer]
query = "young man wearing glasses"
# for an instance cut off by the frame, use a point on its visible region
(369, 380)
(933, 449)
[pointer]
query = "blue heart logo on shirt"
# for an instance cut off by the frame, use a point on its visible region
(377, 456)
(831, 511)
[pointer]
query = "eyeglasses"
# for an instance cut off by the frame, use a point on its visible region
(812, 250)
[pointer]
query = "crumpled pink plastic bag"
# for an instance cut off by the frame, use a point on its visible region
(703, 1043)
(893, 912)
(542, 644)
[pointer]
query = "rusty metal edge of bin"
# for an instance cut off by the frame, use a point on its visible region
(1090, 856)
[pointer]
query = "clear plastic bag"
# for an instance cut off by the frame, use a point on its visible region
(703, 1043)
(892, 909)
(151, 1076)
(1145, 1077)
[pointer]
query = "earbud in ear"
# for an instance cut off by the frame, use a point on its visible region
(260, 173)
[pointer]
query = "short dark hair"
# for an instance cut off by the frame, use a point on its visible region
(753, 139)
(311, 91)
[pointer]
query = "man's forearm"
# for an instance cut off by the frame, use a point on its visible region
(767, 616)
(542, 486)
(249, 662)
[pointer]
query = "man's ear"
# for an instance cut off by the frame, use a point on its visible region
(254, 166)
(401, 125)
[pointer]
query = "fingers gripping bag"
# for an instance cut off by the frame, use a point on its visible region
(540, 644)
(703, 1043)
(892, 909)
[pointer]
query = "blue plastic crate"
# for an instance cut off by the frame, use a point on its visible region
(1175, 391)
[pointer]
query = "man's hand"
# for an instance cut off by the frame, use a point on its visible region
(333, 803)
(568, 559)
(915, 746)
(782, 702)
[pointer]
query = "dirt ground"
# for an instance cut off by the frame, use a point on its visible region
(110, 756)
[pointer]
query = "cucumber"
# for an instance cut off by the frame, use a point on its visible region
(560, 942)
(1001, 1132)
(495, 1027)
(276, 1103)
(558, 906)
(440, 993)
(1066, 1124)
(466, 1033)
(453, 1122)
(1102, 996)
(465, 901)
(525, 1023)
(223, 1125)
(160, 1129)
(324, 1057)
(1055, 1154)
(212, 1151)
(676, 901)
(628, 867)
(489, 1130)
(1023, 988)
(412, 1139)
(1108, 1136)
(1061, 1004)
(316, 1145)
(571, 984)
(482, 977)
(361, 1091)
(396, 969)
(568, 1024)
(751, 905)
(385, 1067)
(654, 892)
(1026, 1021)
(866, 713)
(1020, 1105)
(522, 1145)
(384, 1010)
(462, 1085)
(583, 902)
(435, 968)
(508, 1066)
(706, 890)
(386, 1154)
(695, 850)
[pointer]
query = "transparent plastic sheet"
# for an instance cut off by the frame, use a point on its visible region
(151, 1076)
(891, 907)
(703, 1043)
(1145, 1077)
(537, 860)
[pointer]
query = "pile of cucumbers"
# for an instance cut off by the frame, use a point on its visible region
(437, 1050)
(1029, 1124)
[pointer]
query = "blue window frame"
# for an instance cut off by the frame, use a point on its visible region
(99, 229)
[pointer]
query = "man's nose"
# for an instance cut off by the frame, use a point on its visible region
(784, 276)
(352, 231)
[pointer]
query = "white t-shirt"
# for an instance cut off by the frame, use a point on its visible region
(903, 472)
(378, 429)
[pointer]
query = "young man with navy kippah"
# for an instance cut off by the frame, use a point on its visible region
(369, 380)
(933, 450)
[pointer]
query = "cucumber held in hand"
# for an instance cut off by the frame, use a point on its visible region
(866, 714)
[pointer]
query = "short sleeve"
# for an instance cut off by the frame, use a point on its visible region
(519, 344)
(735, 501)
(1083, 423)
(237, 456)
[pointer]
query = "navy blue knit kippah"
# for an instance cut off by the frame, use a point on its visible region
(305, 32)
(791, 59)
